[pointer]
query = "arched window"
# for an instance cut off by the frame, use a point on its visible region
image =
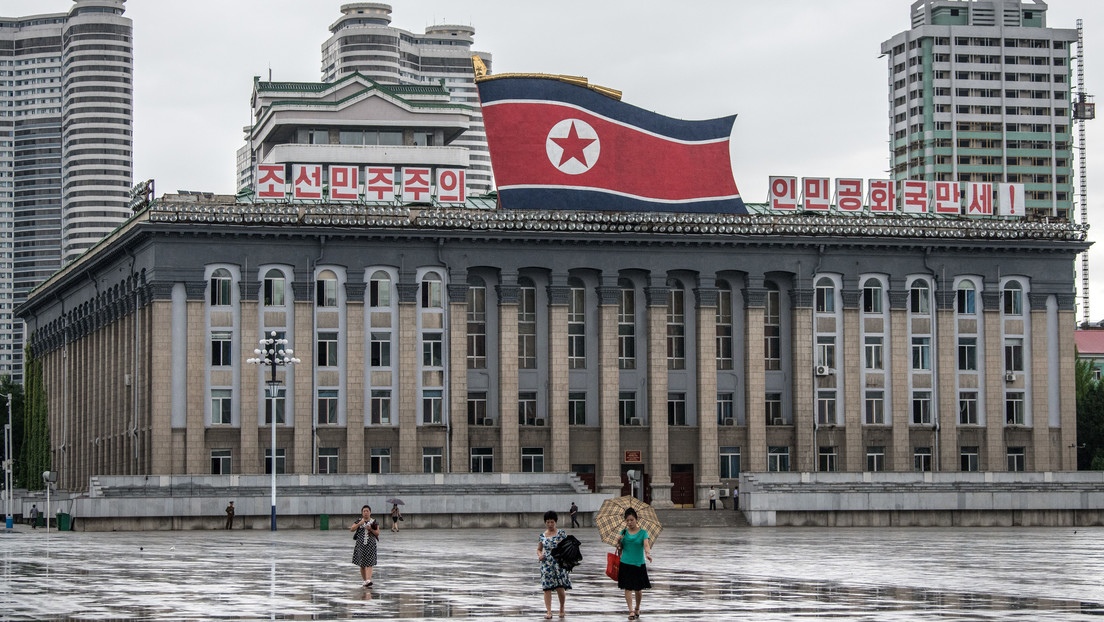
(772, 327)
(274, 288)
(872, 296)
(431, 291)
(527, 324)
(1012, 298)
(920, 298)
(576, 325)
(725, 358)
(325, 289)
(966, 298)
(676, 326)
(477, 323)
(825, 296)
(626, 325)
(379, 289)
(220, 288)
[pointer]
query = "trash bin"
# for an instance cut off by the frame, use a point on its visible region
(62, 521)
(324, 522)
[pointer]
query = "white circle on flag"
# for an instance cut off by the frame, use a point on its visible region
(572, 146)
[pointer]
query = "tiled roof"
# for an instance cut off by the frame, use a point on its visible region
(1089, 341)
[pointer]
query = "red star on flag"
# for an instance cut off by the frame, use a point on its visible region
(573, 146)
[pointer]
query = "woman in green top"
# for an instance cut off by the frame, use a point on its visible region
(634, 547)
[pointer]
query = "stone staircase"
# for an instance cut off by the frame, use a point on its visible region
(699, 517)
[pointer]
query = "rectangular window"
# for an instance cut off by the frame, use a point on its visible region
(1017, 459)
(482, 460)
(1014, 408)
(676, 330)
(381, 407)
(477, 327)
(967, 408)
(432, 459)
(826, 407)
(327, 406)
(220, 290)
(872, 297)
(964, 302)
(873, 359)
(325, 292)
(381, 460)
(773, 407)
(730, 462)
(772, 331)
(381, 349)
(726, 411)
(921, 459)
(874, 407)
(968, 459)
(576, 328)
(327, 459)
(828, 459)
(576, 408)
(921, 353)
(676, 409)
(222, 462)
(725, 359)
(527, 328)
(778, 459)
(875, 458)
(432, 350)
(532, 460)
(274, 291)
(1013, 355)
(626, 329)
(281, 461)
(527, 408)
(327, 349)
(379, 290)
(274, 402)
(826, 351)
(431, 293)
(431, 406)
(921, 408)
(825, 297)
(477, 407)
(222, 406)
(221, 347)
(626, 408)
(967, 353)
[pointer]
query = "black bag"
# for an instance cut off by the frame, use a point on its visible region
(567, 553)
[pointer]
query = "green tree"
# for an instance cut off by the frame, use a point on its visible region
(34, 457)
(1090, 418)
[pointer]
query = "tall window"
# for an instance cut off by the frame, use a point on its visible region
(676, 328)
(221, 462)
(626, 407)
(327, 349)
(828, 459)
(873, 352)
(576, 408)
(825, 296)
(1013, 354)
(325, 289)
(921, 353)
(432, 405)
(676, 409)
(527, 324)
(826, 350)
(281, 461)
(626, 327)
(919, 298)
(576, 326)
(967, 408)
(327, 459)
(379, 290)
(921, 408)
(726, 412)
(274, 288)
(274, 402)
(875, 458)
(433, 350)
(381, 460)
(1017, 459)
(381, 406)
(432, 459)
(872, 296)
(968, 459)
(482, 459)
(220, 288)
(772, 405)
(221, 347)
(778, 459)
(381, 349)
(432, 297)
(1012, 298)
(527, 408)
(966, 298)
(1014, 408)
(327, 406)
(532, 460)
(922, 459)
(477, 407)
(772, 329)
(826, 407)
(967, 353)
(222, 406)
(730, 462)
(477, 325)
(875, 408)
(725, 358)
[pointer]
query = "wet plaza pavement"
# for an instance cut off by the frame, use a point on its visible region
(698, 574)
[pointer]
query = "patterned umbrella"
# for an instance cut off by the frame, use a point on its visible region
(610, 519)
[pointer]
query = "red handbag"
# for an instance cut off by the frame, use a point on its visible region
(613, 565)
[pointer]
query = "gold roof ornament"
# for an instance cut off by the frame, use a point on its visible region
(478, 66)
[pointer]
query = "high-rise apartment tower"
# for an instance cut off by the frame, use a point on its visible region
(980, 90)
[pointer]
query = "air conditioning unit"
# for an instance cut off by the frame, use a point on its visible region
(634, 421)
(729, 421)
(722, 493)
(540, 422)
(778, 421)
(823, 370)
(488, 421)
(1010, 376)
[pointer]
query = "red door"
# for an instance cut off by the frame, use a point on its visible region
(682, 480)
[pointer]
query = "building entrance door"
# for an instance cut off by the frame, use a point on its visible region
(682, 489)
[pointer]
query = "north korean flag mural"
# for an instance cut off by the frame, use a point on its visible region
(561, 146)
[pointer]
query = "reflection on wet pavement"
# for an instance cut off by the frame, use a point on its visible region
(716, 574)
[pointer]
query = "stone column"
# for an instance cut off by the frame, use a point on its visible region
(250, 414)
(995, 454)
(900, 357)
(509, 449)
(458, 372)
(804, 406)
(1038, 381)
(558, 295)
(1068, 390)
(197, 458)
(658, 459)
(946, 378)
(406, 343)
(162, 352)
(755, 414)
(299, 458)
(355, 392)
(708, 446)
(609, 458)
(849, 380)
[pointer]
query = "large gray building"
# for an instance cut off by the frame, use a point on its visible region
(65, 147)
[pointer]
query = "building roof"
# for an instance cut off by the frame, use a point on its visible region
(1089, 342)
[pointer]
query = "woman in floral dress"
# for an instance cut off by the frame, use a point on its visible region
(553, 576)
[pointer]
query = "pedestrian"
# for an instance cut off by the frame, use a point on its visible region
(574, 514)
(396, 516)
(634, 547)
(736, 497)
(366, 536)
(34, 517)
(712, 498)
(230, 515)
(553, 576)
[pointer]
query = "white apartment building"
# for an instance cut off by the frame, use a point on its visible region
(65, 147)
(980, 90)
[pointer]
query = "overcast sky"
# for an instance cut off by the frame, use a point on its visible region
(803, 75)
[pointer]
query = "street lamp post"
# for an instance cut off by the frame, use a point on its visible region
(8, 465)
(273, 352)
